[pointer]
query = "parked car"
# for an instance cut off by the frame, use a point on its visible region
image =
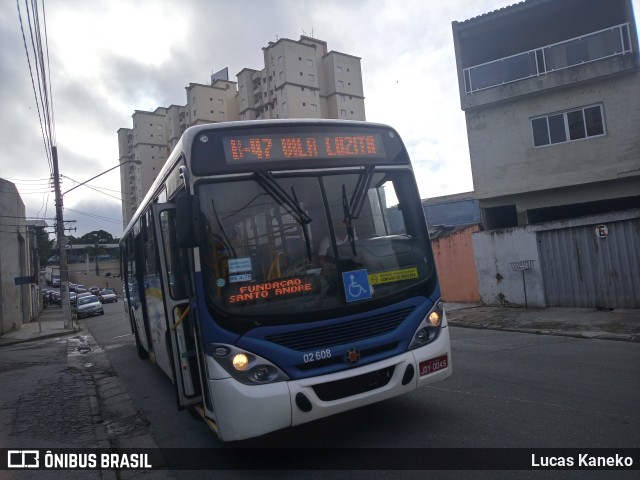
(88, 306)
(82, 295)
(72, 287)
(55, 297)
(95, 290)
(81, 288)
(72, 298)
(108, 295)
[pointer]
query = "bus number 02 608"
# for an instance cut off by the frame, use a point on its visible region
(315, 356)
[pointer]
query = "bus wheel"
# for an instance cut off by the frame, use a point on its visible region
(142, 353)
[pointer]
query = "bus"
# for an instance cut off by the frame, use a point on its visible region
(280, 271)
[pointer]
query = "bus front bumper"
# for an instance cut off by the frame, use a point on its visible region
(245, 411)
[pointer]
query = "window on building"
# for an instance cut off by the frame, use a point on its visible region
(280, 60)
(340, 84)
(309, 62)
(568, 126)
(281, 75)
(314, 108)
(284, 105)
(312, 78)
(343, 112)
(339, 69)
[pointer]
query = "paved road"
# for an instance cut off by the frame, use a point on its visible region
(508, 390)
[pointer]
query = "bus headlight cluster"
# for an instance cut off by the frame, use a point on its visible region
(429, 328)
(246, 367)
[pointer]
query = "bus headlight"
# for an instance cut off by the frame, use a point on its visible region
(246, 367)
(429, 327)
(435, 318)
(240, 362)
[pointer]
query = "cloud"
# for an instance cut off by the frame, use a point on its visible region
(111, 57)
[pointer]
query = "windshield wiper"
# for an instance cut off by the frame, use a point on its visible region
(305, 226)
(266, 181)
(352, 208)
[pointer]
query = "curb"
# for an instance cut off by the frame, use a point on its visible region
(117, 423)
(15, 341)
(557, 333)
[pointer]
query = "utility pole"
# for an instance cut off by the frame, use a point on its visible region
(62, 245)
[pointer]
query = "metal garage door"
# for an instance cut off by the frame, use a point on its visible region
(592, 266)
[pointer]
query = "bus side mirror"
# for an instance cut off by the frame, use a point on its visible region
(185, 223)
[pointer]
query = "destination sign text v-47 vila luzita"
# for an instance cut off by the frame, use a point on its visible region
(256, 148)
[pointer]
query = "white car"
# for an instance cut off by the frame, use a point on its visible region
(88, 306)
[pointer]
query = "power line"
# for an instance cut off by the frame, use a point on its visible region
(26, 218)
(21, 180)
(26, 49)
(93, 186)
(100, 217)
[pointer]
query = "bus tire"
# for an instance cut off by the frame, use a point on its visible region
(142, 353)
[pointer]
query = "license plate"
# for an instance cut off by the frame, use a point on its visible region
(433, 365)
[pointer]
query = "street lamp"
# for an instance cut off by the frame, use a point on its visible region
(62, 240)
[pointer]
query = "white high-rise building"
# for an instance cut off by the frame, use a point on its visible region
(300, 79)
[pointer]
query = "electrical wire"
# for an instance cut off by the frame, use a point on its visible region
(43, 99)
(113, 220)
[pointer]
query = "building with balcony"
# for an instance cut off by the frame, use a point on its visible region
(551, 95)
(300, 79)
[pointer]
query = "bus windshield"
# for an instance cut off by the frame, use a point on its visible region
(310, 242)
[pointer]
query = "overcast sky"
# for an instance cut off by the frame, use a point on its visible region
(109, 58)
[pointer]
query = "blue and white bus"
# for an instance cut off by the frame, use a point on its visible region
(262, 273)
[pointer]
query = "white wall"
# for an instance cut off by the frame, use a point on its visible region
(498, 283)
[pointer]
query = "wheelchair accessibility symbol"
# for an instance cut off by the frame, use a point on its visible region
(356, 285)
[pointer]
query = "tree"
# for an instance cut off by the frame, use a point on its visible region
(45, 246)
(99, 236)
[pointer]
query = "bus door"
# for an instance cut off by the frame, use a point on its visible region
(180, 333)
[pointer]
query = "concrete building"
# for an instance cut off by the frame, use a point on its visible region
(17, 305)
(457, 209)
(551, 95)
(300, 79)
(142, 151)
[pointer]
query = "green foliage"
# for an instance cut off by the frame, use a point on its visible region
(45, 245)
(97, 236)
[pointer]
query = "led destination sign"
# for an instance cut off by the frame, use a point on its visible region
(256, 148)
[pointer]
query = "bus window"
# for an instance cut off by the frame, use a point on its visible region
(267, 254)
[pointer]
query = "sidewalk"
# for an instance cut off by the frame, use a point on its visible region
(50, 324)
(616, 324)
